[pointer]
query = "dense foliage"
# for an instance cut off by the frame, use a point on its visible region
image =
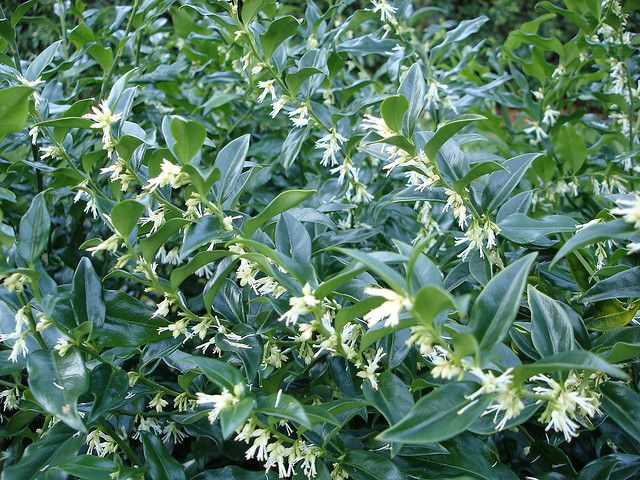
(318, 240)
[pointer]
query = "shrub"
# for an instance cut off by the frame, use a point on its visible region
(332, 241)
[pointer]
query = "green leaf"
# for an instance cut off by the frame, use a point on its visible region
(217, 371)
(292, 238)
(446, 131)
(277, 32)
(392, 110)
(234, 473)
(296, 79)
(33, 236)
(200, 260)
(624, 284)
(108, 385)
(477, 171)
(520, 228)
(129, 322)
(496, 307)
(188, 137)
(551, 329)
(86, 295)
(38, 64)
(14, 108)
(502, 183)
(366, 465)
(467, 457)
(390, 276)
(570, 147)
(574, 360)
(292, 145)
(392, 398)
(430, 301)
(413, 88)
(90, 467)
(283, 202)
(151, 244)
(162, 466)
(57, 446)
(234, 416)
(57, 382)
(286, 407)
(436, 416)
(230, 162)
(600, 232)
(125, 216)
(621, 404)
(250, 9)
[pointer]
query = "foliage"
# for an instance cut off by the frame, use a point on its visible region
(332, 241)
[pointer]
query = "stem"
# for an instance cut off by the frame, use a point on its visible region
(62, 13)
(121, 44)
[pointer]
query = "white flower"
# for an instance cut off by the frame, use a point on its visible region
(277, 106)
(377, 125)
(387, 12)
(344, 170)
(259, 448)
(506, 400)
(300, 305)
(369, 371)
(360, 193)
(170, 174)
(177, 328)
(156, 217)
(423, 337)
(146, 425)
(15, 282)
(221, 401)
(390, 310)
(537, 131)
(300, 116)
(33, 83)
(455, 201)
(629, 209)
(267, 89)
(111, 244)
(103, 118)
(433, 97)
(227, 222)
(276, 453)
(158, 402)
(102, 443)
(476, 235)
(559, 71)
(273, 356)
(443, 367)
(330, 143)
(11, 398)
(564, 403)
(33, 133)
(52, 152)
(171, 431)
(550, 115)
(62, 346)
